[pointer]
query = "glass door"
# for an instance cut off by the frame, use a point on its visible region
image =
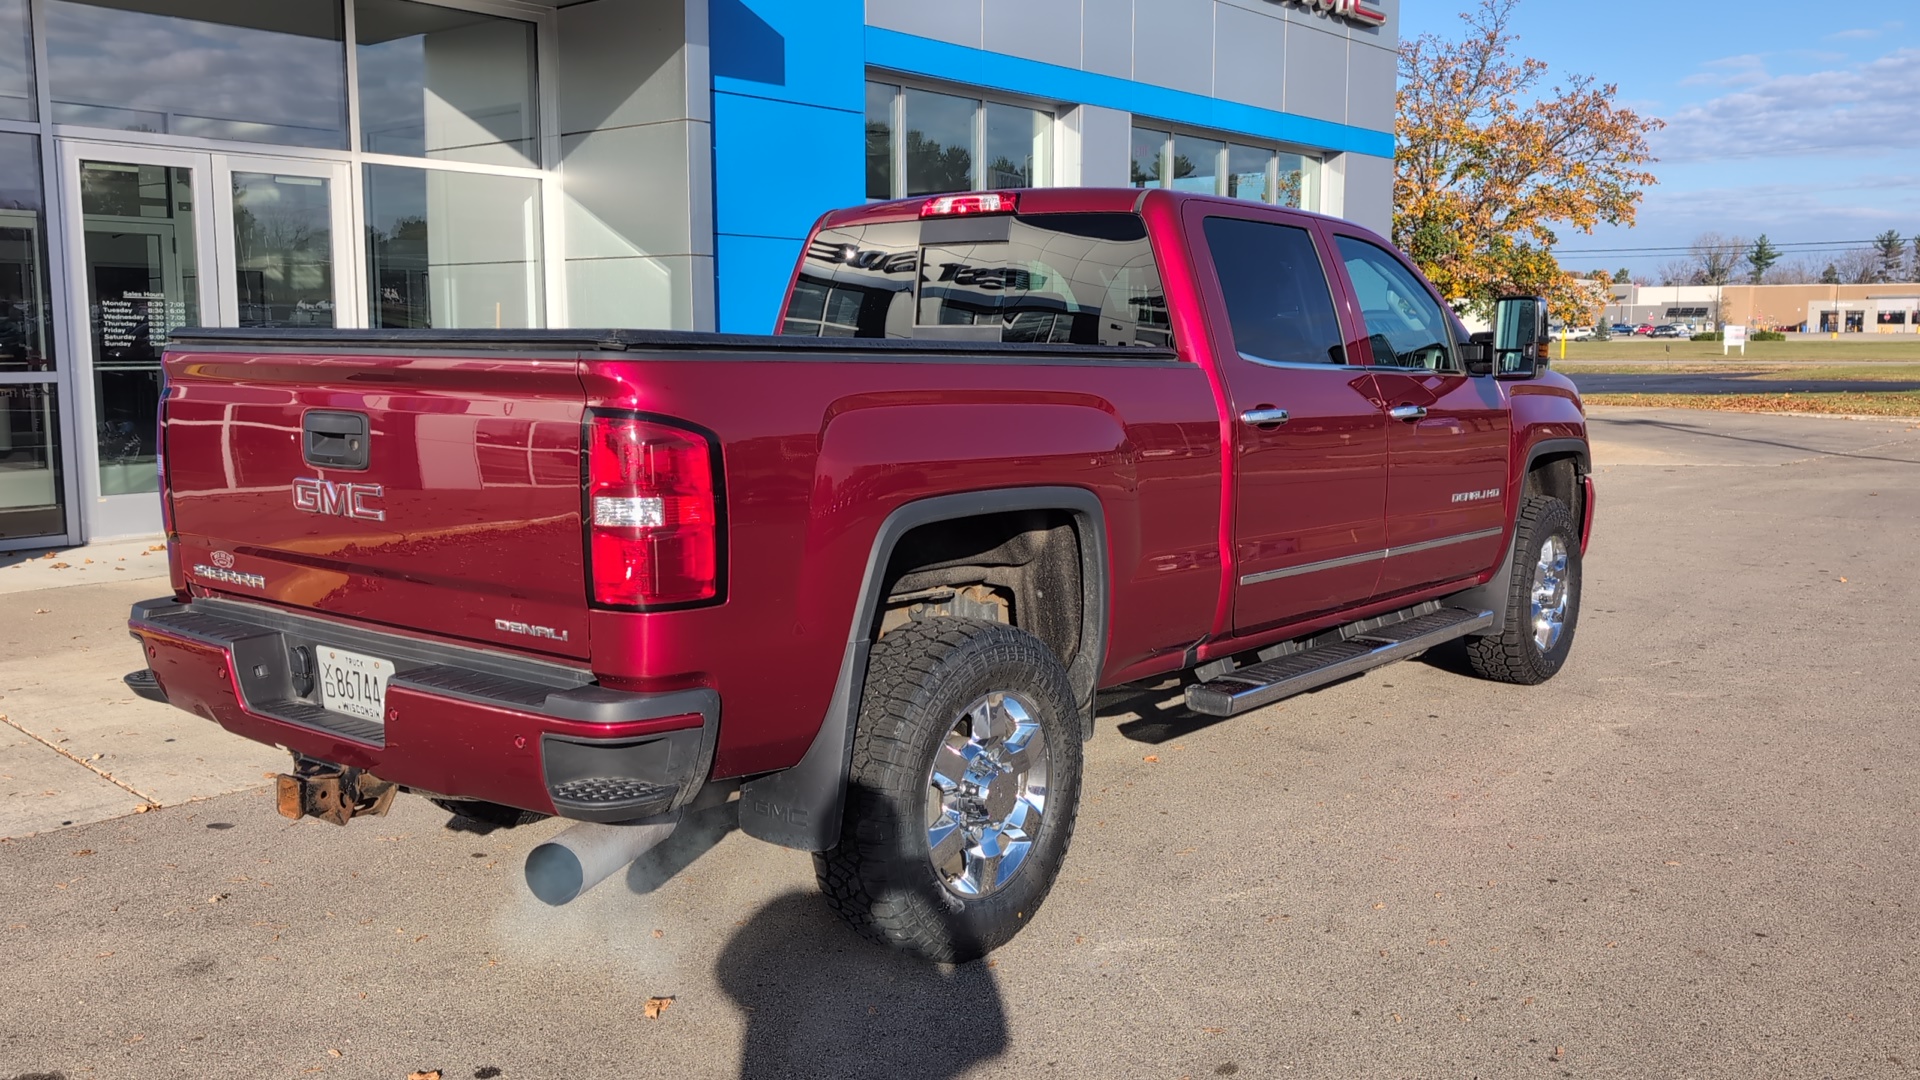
(160, 239)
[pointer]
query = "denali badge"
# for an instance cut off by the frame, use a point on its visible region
(317, 496)
(1476, 496)
(510, 627)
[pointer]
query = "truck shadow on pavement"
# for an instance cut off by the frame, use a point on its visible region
(818, 1000)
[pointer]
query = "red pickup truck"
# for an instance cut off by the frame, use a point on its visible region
(1006, 450)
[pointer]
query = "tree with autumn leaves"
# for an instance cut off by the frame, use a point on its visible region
(1491, 162)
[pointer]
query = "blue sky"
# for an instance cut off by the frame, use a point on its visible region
(1798, 120)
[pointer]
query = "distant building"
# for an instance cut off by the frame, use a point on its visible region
(1891, 308)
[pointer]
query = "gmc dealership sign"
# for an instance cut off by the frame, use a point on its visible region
(1357, 10)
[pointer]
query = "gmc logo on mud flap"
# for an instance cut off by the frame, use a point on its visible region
(317, 496)
(792, 815)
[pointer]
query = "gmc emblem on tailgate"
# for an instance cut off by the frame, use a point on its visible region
(317, 496)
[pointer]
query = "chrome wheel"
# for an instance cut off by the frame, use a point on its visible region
(1550, 594)
(986, 794)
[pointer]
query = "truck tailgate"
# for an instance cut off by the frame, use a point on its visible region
(456, 513)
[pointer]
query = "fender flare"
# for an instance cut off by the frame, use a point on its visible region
(1494, 595)
(801, 807)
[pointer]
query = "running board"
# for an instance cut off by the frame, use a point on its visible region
(1263, 684)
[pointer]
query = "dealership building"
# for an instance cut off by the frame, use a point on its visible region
(1885, 308)
(637, 163)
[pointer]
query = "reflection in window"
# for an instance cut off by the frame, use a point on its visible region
(452, 250)
(29, 462)
(1150, 157)
(253, 72)
(1405, 325)
(283, 249)
(924, 143)
(1209, 166)
(440, 83)
(16, 62)
(1278, 302)
(26, 317)
(1080, 279)
(880, 121)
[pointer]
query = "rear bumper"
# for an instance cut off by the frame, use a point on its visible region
(460, 722)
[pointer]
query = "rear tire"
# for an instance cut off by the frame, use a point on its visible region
(1543, 599)
(962, 793)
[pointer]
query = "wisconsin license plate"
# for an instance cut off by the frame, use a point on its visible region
(354, 684)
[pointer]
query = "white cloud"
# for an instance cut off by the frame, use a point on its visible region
(1862, 110)
(1868, 33)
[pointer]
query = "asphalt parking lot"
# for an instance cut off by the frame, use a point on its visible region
(1691, 855)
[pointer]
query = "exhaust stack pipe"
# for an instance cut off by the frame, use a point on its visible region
(561, 869)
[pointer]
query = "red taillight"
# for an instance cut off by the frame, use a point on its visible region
(979, 202)
(653, 525)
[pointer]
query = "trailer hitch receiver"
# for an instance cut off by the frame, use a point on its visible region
(336, 793)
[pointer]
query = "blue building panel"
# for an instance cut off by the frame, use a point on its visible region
(754, 272)
(778, 165)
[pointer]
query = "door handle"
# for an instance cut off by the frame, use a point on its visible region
(1266, 416)
(1408, 413)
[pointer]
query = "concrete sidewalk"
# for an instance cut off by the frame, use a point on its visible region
(75, 745)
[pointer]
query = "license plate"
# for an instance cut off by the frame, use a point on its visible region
(354, 684)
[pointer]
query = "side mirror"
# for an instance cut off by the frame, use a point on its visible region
(1476, 354)
(1520, 337)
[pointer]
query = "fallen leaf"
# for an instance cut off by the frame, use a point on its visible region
(102, 956)
(659, 933)
(42, 611)
(654, 1007)
(143, 808)
(1214, 1030)
(1151, 757)
(217, 897)
(332, 1052)
(83, 851)
(424, 1074)
(1379, 907)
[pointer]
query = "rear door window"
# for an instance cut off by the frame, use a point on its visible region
(1069, 279)
(1276, 292)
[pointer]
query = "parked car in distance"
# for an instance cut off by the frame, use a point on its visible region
(1621, 328)
(1667, 331)
(1577, 333)
(1643, 329)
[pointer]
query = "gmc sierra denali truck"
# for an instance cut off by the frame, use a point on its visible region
(867, 574)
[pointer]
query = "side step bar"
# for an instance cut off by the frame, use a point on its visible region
(1263, 684)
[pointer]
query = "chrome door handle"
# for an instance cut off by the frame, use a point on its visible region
(1264, 416)
(1408, 413)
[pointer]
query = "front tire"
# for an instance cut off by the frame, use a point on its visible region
(962, 793)
(1543, 599)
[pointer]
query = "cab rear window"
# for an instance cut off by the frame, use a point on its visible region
(1068, 279)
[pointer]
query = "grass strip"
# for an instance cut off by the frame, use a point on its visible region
(1895, 403)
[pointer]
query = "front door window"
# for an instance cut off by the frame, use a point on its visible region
(142, 275)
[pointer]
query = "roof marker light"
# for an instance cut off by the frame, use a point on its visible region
(979, 202)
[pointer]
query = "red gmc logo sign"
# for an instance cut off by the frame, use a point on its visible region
(1359, 11)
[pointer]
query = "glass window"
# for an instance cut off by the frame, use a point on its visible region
(254, 72)
(441, 83)
(1196, 164)
(1299, 178)
(1081, 279)
(1018, 141)
(1892, 318)
(26, 314)
(1404, 322)
(1247, 172)
(30, 462)
(1276, 293)
(16, 62)
(1149, 157)
(283, 249)
(939, 142)
(880, 140)
(452, 250)
(143, 279)
(952, 143)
